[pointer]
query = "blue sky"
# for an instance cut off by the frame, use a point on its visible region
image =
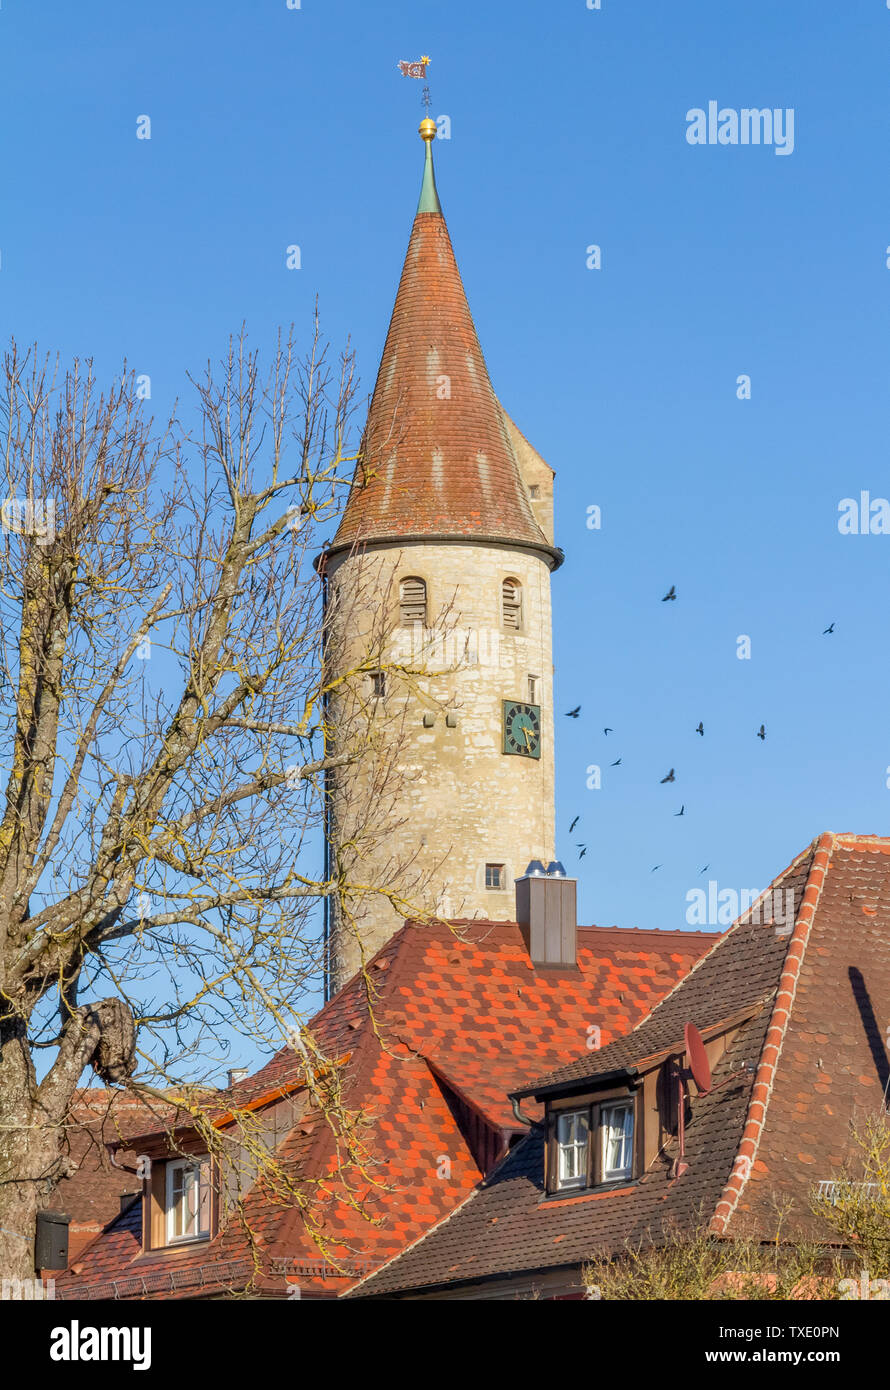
(273, 126)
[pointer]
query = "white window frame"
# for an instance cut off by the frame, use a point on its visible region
(608, 1108)
(575, 1146)
(202, 1201)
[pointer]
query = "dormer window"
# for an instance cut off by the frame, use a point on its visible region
(592, 1146)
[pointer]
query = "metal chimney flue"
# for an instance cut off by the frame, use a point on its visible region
(547, 912)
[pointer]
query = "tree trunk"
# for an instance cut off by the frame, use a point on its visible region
(30, 1155)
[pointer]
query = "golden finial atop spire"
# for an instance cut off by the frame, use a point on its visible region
(427, 129)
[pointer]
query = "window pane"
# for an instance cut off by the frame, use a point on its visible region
(176, 1214)
(494, 875)
(571, 1139)
(204, 1200)
(188, 1206)
(617, 1128)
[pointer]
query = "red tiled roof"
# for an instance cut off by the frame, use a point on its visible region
(436, 458)
(816, 1056)
(466, 1009)
(98, 1117)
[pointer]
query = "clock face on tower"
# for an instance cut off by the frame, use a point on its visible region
(522, 729)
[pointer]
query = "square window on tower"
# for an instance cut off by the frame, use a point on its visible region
(495, 876)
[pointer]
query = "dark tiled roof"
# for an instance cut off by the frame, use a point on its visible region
(736, 973)
(834, 1064)
(509, 1226)
(468, 1010)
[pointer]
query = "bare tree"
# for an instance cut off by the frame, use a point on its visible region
(165, 727)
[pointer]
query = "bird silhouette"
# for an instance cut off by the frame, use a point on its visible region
(671, 594)
(761, 732)
(670, 777)
(700, 729)
(608, 731)
(573, 713)
(573, 824)
(583, 852)
(705, 869)
(828, 629)
(617, 763)
(654, 867)
(682, 810)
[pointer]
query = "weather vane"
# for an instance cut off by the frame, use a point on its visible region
(418, 69)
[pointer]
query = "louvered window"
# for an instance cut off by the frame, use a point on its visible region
(512, 603)
(412, 601)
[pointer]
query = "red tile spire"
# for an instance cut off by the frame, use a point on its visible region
(436, 459)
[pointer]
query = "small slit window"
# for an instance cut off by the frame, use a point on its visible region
(511, 604)
(412, 601)
(378, 685)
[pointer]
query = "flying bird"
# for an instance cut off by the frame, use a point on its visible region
(700, 729)
(573, 713)
(608, 731)
(583, 852)
(670, 777)
(705, 869)
(617, 763)
(761, 732)
(828, 629)
(671, 593)
(573, 824)
(682, 810)
(654, 867)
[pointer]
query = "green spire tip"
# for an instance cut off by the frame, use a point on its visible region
(429, 198)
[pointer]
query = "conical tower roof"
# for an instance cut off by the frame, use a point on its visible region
(437, 461)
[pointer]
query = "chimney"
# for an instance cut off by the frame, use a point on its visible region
(236, 1074)
(547, 912)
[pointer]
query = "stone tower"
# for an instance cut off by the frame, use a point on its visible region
(448, 530)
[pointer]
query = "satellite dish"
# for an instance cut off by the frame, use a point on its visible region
(698, 1058)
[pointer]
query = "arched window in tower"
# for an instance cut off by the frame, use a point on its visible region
(412, 601)
(511, 604)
